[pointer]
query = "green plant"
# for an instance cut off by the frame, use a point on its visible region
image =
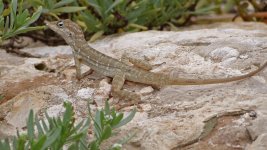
(56, 7)
(111, 16)
(54, 133)
(15, 20)
(105, 121)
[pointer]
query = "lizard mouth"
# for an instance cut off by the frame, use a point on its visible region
(50, 25)
(47, 23)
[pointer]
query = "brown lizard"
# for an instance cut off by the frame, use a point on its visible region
(118, 70)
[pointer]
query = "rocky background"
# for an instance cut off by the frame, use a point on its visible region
(230, 116)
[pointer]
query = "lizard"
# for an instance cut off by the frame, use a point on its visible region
(118, 70)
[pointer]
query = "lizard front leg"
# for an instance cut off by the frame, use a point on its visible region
(136, 61)
(116, 89)
(77, 61)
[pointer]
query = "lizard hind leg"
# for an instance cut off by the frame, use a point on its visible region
(116, 89)
(140, 63)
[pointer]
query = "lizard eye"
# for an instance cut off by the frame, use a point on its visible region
(60, 24)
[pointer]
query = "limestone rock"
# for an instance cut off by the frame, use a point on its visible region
(259, 144)
(258, 127)
(85, 93)
(16, 110)
(146, 90)
(173, 116)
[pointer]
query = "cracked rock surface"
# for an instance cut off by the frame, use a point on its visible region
(228, 116)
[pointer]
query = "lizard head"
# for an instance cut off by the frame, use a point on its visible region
(67, 29)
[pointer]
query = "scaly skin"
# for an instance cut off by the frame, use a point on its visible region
(118, 70)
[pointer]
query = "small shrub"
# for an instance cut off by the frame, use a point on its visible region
(54, 133)
(15, 20)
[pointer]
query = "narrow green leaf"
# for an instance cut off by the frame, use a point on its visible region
(34, 17)
(83, 143)
(30, 126)
(126, 120)
(113, 113)
(74, 146)
(23, 30)
(90, 20)
(62, 3)
(51, 125)
(94, 145)
(21, 143)
(96, 36)
(68, 114)
(98, 119)
(76, 137)
(14, 5)
(68, 9)
(96, 6)
(45, 127)
(52, 137)
(15, 143)
(59, 121)
(55, 122)
(116, 120)
(106, 132)
(77, 127)
(4, 144)
(1, 6)
(2, 24)
(49, 4)
(21, 18)
(113, 5)
(138, 26)
(97, 125)
(6, 26)
(40, 143)
(102, 119)
(107, 108)
(39, 127)
(20, 8)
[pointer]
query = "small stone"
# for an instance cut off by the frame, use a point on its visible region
(113, 100)
(146, 90)
(102, 93)
(85, 93)
(243, 56)
(55, 110)
(146, 107)
(69, 74)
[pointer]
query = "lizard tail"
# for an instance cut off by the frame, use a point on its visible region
(182, 81)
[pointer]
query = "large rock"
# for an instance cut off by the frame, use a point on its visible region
(174, 117)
